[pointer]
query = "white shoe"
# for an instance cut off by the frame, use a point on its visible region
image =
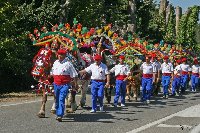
(122, 105)
(92, 111)
(101, 109)
(148, 101)
(53, 111)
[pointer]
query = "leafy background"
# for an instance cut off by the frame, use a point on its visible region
(20, 17)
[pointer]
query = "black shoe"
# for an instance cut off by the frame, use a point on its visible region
(164, 96)
(155, 94)
(142, 100)
(114, 105)
(59, 119)
(108, 100)
(172, 95)
(82, 104)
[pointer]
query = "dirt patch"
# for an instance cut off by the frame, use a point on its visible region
(20, 96)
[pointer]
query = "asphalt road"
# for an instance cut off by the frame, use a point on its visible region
(171, 115)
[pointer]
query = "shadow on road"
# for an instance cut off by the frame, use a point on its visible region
(93, 117)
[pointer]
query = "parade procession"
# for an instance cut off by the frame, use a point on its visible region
(74, 59)
(100, 66)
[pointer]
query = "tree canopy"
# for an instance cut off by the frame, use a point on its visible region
(20, 17)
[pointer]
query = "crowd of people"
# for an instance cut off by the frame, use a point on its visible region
(172, 75)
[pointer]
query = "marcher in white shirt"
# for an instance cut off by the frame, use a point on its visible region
(185, 74)
(63, 72)
(195, 75)
(176, 78)
(156, 79)
(99, 74)
(167, 73)
(121, 71)
(147, 79)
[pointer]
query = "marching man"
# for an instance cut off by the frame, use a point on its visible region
(156, 79)
(195, 75)
(167, 73)
(63, 72)
(184, 74)
(99, 73)
(147, 79)
(176, 78)
(121, 72)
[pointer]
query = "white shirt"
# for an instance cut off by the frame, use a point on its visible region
(120, 69)
(156, 66)
(177, 70)
(98, 72)
(167, 67)
(185, 67)
(195, 69)
(63, 68)
(147, 68)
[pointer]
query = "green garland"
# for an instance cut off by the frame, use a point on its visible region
(61, 34)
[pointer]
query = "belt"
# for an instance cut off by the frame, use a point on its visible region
(177, 76)
(98, 80)
(196, 74)
(184, 73)
(166, 74)
(147, 75)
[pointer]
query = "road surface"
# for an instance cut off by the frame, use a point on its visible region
(173, 115)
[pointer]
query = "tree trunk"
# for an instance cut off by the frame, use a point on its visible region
(132, 9)
(168, 11)
(163, 6)
(63, 7)
(178, 16)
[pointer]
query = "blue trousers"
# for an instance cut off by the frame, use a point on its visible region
(97, 90)
(184, 79)
(176, 84)
(165, 84)
(60, 91)
(120, 90)
(194, 81)
(147, 85)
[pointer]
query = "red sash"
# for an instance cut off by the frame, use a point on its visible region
(62, 79)
(147, 75)
(184, 73)
(121, 77)
(196, 74)
(167, 74)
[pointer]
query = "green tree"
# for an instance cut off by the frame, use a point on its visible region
(17, 20)
(88, 13)
(93, 13)
(182, 28)
(188, 23)
(190, 37)
(147, 15)
(20, 17)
